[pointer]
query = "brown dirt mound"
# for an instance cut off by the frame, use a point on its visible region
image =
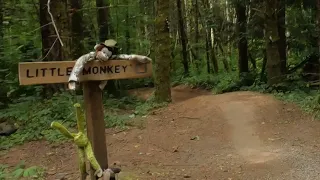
(241, 135)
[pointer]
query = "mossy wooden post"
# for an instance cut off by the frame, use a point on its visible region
(93, 72)
(95, 122)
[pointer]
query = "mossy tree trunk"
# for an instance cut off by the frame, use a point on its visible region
(162, 52)
(274, 73)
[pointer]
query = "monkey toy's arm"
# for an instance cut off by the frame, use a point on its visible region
(132, 57)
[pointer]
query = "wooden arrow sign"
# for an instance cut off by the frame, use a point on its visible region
(59, 71)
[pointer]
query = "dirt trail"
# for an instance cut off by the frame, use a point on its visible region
(240, 116)
(240, 135)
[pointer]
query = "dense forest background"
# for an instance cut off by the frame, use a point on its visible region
(269, 46)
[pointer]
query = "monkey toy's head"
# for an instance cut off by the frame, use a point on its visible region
(112, 46)
(106, 49)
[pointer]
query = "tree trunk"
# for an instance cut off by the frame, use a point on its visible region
(103, 24)
(209, 6)
(263, 68)
(282, 43)
(211, 56)
(51, 47)
(197, 34)
(208, 52)
(273, 66)
(58, 8)
(77, 49)
(183, 38)
(1, 20)
(214, 58)
(103, 19)
(318, 26)
(224, 59)
(162, 52)
(242, 31)
(127, 30)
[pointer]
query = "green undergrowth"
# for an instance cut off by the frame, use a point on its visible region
(293, 91)
(215, 82)
(34, 115)
(308, 101)
(21, 171)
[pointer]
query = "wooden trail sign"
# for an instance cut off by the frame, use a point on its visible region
(59, 71)
(93, 72)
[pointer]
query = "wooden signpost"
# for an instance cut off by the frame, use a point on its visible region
(93, 72)
(59, 71)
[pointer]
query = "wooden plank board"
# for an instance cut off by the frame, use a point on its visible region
(59, 71)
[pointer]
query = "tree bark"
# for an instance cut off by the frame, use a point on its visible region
(1, 20)
(264, 64)
(242, 31)
(210, 40)
(77, 49)
(127, 30)
(162, 52)
(208, 52)
(59, 12)
(197, 33)
(51, 47)
(183, 38)
(282, 43)
(103, 19)
(224, 59)
(214, 58)
(274, 74)
(318, 26)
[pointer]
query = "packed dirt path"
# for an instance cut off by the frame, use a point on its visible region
(240, 135)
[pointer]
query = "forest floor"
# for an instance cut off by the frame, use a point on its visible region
(239, 135)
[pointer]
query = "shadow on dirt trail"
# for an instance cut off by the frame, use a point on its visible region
(240, 135)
